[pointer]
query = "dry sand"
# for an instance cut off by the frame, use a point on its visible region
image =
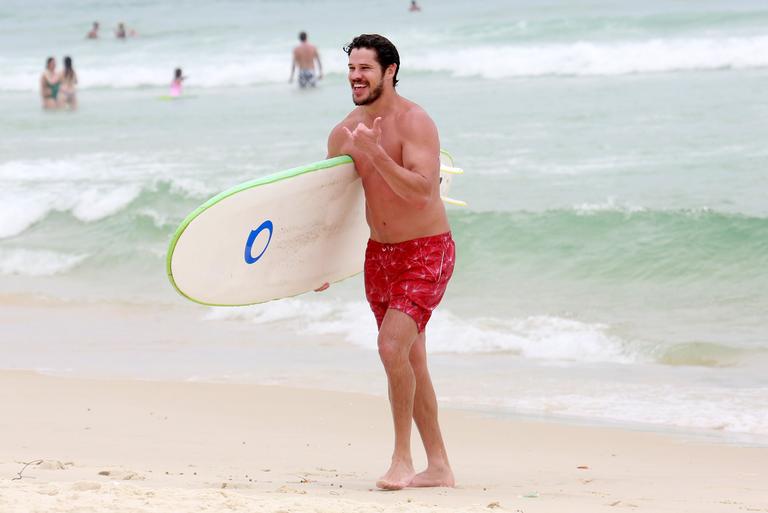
(137, 446)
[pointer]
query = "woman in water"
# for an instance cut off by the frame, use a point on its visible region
(176, 83)
(68, 85)
(50, 81)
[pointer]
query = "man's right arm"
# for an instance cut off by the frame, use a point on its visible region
(336, 141)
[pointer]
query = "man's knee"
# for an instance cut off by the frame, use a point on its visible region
(392, 350)
(396, 336)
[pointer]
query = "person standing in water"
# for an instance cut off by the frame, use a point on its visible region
(304, 57)
(176, 83)
(410, 254)
(414, 7)
(121, 32)
(50, 81)
(94, 32)
(67, 96)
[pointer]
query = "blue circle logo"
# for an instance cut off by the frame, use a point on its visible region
(249, 258)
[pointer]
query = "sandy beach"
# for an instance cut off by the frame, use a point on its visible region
(602, 344)
(139, 446)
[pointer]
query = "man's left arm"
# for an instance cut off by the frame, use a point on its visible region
(416, 179)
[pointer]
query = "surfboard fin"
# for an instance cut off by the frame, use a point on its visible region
(451, 170)
(455, 202)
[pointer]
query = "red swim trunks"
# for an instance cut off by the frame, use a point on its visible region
(409, 276)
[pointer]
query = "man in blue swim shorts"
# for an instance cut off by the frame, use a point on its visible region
(305, 56)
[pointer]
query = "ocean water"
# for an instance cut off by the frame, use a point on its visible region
(613, 260)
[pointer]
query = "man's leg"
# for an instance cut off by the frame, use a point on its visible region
(438, 472)
(396, 336)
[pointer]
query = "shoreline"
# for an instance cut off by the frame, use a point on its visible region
(177, 344)
(684, 434)
(113, 442)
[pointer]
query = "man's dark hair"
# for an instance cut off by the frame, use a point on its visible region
(302, 36)
(386, 53)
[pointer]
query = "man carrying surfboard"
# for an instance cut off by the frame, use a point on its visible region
(410, 255)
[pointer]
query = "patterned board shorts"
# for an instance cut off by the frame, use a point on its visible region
(307, 78)
(409, 276)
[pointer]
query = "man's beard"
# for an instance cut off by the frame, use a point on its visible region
(372, 97)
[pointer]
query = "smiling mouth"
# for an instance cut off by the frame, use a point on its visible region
(359, 87)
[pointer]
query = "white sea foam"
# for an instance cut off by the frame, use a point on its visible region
(20, 209)
(698, 406)
(97, 203)
(211, 71)
(159, 219)
(27, 262)
(589, 58)
(90, 187)
(536, 337)
(582, 58)
(19, 212)
(609, 205)
(192, 187)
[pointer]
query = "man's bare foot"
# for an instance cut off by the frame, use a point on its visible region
(397, 477)
(434, 476)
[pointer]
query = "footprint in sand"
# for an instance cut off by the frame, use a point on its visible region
(122, 475)
(52, 465)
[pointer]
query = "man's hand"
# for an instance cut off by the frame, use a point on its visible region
(365, 140)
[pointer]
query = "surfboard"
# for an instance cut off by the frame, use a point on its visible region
(277, 236)
(169, 98)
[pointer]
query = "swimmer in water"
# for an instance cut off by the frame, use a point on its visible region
(176, 83)
(121, 32)
(305, 55)
(94, 32)
(67, 96)
(50, 81)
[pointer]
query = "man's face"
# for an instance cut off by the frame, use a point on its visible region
(365, 76)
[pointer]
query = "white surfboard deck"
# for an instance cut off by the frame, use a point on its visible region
(277, 236)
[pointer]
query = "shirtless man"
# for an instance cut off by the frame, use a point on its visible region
(410, 255)
(304, 56)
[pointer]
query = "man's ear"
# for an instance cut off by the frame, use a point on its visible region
(390, 71)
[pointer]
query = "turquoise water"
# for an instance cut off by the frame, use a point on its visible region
(615, 249)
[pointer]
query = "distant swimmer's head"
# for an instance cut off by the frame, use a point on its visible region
(177, 74)
(95, 25)
(373, 62)
(303, 36)
(50, 63)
